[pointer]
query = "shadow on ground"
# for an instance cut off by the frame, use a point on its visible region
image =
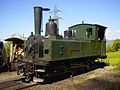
(111, 82)
(75, 73)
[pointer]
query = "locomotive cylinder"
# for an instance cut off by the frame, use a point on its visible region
(51, 28)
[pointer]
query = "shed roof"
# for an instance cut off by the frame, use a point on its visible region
(15, 40)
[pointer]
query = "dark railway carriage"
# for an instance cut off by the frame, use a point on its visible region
(3, 60)
(51, 55)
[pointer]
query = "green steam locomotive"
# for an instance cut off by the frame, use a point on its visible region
(53, 55)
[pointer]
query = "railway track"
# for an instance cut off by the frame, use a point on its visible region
(15, 85)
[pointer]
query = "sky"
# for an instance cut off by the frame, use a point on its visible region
(17, 16)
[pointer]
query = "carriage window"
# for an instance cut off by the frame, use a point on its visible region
(101, 32)
(89, 32)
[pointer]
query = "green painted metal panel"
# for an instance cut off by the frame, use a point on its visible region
(47, 46)
(84, 31)
(95, 47)
(103, 47)
(61, 49)
(65, 49)
(74, 49)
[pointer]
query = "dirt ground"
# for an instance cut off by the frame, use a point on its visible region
(107, 78)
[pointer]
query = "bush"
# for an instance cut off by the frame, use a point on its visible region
(116, 45)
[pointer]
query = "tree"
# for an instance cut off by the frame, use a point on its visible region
(7, 48)
(116, 45)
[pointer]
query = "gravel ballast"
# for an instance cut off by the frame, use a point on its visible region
(99, 79)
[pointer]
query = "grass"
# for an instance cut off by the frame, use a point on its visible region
(114, 58)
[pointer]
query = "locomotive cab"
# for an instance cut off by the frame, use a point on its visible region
(88, 32)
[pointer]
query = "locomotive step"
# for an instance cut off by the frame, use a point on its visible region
(39, 70)
(35, 79)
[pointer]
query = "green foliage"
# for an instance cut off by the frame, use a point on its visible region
(114, 58)
(116, 45)
(7, 48)
(108, 48)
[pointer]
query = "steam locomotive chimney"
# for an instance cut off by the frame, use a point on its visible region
(38, 19)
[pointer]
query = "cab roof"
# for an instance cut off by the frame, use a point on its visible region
(89, 25)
